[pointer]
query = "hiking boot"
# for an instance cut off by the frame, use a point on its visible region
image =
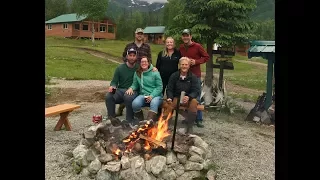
(139, 115)
(152, 115)
(115, 121)
(199, 124)
(120, 110)
(191, 117)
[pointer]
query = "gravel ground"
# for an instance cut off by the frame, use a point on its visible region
(241, 150)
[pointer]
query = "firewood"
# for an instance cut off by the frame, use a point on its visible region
(154, 141)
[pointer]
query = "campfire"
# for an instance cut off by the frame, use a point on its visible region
(142, 152)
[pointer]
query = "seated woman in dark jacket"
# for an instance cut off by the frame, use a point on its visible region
(167, 61)
(183, 80)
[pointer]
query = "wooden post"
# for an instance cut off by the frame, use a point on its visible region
(269, 84)
(221, 71)
(175, 124)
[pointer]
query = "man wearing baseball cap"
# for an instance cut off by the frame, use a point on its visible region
(142, 48)
(138, 44)
(197, 55)
(122, 80)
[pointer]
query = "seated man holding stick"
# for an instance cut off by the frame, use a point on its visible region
(186, 82)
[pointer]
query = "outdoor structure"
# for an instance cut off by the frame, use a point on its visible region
(154, 34)
(240, 49)
(71, 26)
(265, 49)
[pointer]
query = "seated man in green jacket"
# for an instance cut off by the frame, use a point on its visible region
(122, 80)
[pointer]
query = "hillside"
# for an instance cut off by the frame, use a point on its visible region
(265, 10)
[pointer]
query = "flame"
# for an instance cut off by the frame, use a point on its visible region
(115, 149)
(160, 131)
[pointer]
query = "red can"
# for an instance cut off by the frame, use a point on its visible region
(96, 119)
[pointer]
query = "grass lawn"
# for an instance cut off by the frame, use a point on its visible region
(112, 47)
(73, 64)
(70, 63)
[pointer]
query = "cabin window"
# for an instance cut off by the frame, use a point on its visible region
(65, 26)
(49, 27)
(85, 27)
(77, 26)
(110, 29)
(102, 28)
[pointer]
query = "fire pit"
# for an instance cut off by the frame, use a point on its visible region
(143, 152)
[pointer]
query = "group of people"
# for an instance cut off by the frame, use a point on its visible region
(137, 83)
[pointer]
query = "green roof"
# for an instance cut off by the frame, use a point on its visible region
(66, 18)
(154, 30)
(265, 49)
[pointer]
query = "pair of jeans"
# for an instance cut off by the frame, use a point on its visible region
(199, 113)
(120, 97)
(140, 102)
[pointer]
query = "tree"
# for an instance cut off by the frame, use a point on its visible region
(94, 10)
(265, 30)
(54, 8)
(225, 22)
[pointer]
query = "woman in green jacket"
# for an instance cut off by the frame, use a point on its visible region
(149, 87)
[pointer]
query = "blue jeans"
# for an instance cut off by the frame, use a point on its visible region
(139, 102)
(199, 113)
(117, 98)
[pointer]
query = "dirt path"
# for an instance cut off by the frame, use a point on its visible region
(241, 150)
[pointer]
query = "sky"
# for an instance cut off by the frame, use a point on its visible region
(162, 1)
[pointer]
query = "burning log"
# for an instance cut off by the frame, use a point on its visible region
(156, 142)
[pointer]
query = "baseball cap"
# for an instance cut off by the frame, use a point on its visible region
(186, 31)
(139, 30)
(131, 50)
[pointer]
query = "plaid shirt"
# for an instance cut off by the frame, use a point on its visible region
(143, 50)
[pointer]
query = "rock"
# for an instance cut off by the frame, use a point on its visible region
(193, 166)
(137, 162)
(79, 154)
(94, 166)
(127, 174)
(211, 174)
(196, 158)
(199, 142)
(103, 175)
(105, 158)
(168, 174)
(182, 158)
(195, 150)
(85, 172)
(206, 163)
(157, 164)
(189, 175)
(90, 155)
(171, 158)
(179, 169)
(113, 166)
(143, 175)
(125, 163)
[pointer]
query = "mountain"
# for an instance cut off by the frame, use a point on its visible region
(265, 10)
(116, 7)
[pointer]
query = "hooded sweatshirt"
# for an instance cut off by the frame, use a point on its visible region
(195, 51)
(149, 84)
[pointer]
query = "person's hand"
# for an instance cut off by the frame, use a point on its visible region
(110, 89)
(192, 62)
(154, 69)
(185, 99)
(129, 91)
(148, 99)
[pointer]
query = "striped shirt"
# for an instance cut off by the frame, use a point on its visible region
(143, 50)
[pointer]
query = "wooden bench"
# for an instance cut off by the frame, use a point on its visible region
(63, 110)
(199, 107)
